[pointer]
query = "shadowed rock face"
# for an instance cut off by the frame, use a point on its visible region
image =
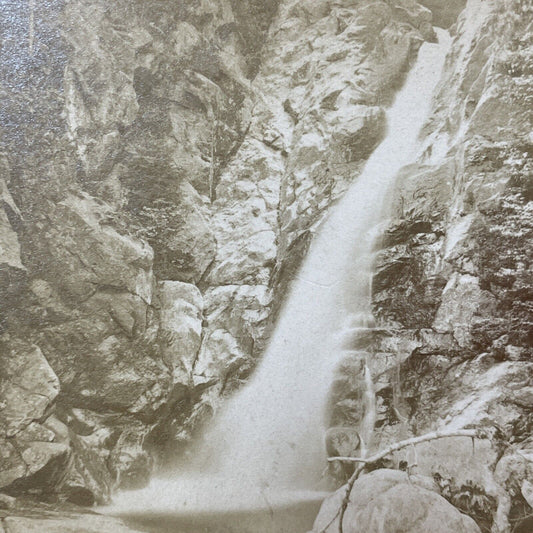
(444, 13)
(117, 123)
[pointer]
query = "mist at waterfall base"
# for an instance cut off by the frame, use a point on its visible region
(265, 449)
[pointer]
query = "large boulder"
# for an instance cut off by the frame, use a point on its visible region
(36, 458)
(33, 452)
(102, 369)
(28, 385)
(391, 501)
(32, 466)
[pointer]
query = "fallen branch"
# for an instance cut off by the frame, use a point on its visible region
(469, 433)
(346, 499)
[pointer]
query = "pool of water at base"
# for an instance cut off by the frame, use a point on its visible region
(293, 518)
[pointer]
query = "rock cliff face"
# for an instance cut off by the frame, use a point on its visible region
(453, 271)
(163, 166)
(162, 174)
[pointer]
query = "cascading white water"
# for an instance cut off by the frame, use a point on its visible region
(269, 436)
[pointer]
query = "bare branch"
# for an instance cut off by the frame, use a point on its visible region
(471, 433)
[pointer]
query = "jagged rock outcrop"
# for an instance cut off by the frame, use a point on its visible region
(33, 453)
(119, 119)
(453, 272)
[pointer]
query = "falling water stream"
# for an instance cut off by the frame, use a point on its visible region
(265, 450)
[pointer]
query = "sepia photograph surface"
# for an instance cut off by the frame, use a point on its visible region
(266, 266)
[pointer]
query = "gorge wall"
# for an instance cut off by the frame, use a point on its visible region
(453, 273)
(163, 168)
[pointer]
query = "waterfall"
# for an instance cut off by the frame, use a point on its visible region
(269, 438)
